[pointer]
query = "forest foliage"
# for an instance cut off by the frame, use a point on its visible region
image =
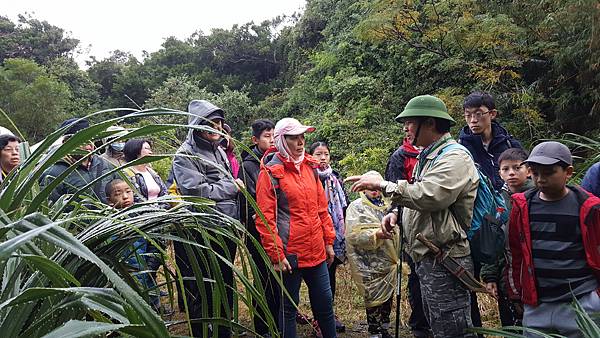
(346, 66)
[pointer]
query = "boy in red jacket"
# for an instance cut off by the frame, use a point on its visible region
(554, 235)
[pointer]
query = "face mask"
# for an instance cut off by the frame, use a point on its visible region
(118, 147)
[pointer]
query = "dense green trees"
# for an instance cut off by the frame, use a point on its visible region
(33, 39)
(349, 66)
(32, 98)
(345, 66)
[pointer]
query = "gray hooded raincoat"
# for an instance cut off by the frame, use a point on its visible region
(207, 174)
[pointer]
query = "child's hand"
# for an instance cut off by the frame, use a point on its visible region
(380, 235)
(388, 223)
(492, 288)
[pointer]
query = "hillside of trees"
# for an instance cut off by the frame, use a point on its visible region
(346, 66)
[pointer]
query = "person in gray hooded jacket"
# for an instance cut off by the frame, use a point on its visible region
(201, 168)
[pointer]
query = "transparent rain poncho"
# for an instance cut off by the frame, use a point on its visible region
(373, 261)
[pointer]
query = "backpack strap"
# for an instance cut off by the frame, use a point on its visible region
(444, 150)
(452, 146)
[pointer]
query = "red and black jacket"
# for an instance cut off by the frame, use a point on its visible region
(294, 204)
(520, 271)
(402, 162)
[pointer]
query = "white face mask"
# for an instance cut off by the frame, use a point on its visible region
(118, 146)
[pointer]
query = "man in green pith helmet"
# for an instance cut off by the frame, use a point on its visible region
(439, 205)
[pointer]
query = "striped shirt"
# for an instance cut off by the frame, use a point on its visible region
(557, 248)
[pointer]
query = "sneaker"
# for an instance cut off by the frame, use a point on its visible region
(316, 329)
(339, 326)
(302, 319)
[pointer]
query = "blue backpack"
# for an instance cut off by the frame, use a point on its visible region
(485, 234)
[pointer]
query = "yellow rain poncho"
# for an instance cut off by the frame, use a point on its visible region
(373, 261)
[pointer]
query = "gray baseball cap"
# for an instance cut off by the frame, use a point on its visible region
(549, 153)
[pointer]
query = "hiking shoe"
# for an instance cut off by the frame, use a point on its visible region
(302, 319)
(339, 326)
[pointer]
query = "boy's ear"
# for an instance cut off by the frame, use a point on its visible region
(254, 139)
(570, 171)
(528, 168)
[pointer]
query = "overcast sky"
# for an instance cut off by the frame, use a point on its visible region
(135, 26)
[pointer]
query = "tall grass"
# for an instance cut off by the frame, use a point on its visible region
(62, 268)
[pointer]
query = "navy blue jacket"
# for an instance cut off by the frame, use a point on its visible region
(591, 180)
(488, 159)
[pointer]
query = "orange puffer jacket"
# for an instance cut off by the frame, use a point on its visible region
(294, 204)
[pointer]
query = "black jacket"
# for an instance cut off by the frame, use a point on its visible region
(249, 174)
(488, 159)
(78, 178)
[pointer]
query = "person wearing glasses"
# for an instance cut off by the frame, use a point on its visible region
(485, 138)
(9, 154)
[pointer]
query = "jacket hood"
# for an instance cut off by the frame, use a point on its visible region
(409, 149)
(497, 131)
(200, 111)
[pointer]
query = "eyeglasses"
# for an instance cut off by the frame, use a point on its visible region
(478, 114)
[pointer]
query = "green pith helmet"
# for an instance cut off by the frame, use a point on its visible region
(426, 106)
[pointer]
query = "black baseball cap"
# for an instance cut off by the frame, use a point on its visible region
(76, 124)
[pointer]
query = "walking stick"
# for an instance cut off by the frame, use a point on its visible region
(399, 282)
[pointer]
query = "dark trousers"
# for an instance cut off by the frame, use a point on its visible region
(378, 317)
(319, 293)
(332, 269)
(417, 321)
(475, 315)
(193, 293)
(270, 285)
(509, 316)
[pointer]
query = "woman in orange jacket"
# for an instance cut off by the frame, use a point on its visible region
(298, 234)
